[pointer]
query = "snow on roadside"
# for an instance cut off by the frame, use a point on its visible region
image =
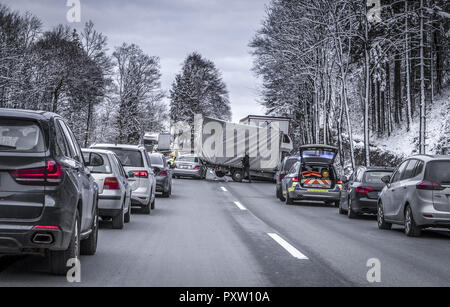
(404, 143)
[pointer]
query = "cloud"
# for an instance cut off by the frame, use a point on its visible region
(219, 29)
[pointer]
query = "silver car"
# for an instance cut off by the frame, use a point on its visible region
(135, 159)
(417, 195)
(189, 166)
(114, 191)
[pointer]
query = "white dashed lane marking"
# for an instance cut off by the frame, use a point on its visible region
(239, 205)
(292, 250)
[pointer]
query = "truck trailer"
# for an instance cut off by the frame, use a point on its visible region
(222, 146)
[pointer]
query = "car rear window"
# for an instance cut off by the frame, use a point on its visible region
(97, 163)
(438, 172)
(128, 157)
(289, 163)
(375, 176)
(20, 136)
(156, 160)
(187, 159)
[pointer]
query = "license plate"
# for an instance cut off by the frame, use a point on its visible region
(317, 190)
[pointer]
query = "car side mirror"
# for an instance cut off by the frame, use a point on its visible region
(386, 180)
(130, 175)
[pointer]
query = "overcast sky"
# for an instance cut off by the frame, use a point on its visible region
(218, 29)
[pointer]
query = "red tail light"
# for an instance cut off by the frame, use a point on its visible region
(196, 168)
(294, 179)
(163, 173)
(42, 227)
(340, 182)
(428, 185)
(141, 174)
(51, 174)
(364, 190)
(111, 183)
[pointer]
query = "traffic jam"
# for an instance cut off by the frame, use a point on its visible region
(224, 151)
(53, 194)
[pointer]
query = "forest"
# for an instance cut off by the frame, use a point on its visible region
(105, 95)
(349, 74)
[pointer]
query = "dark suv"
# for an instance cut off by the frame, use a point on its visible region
(48, 199)
(361, 190)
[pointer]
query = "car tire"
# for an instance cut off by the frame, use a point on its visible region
(280, 195)
(288, 200)
(350, 213)
(411, 228)
(127, 217)
(58, 259)
(341, 210)
(382, 224)
(118, 220)
(146, 209)
(152, 205)
(166, 194)
(89, 246)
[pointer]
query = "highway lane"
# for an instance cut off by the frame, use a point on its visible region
(199, 237)
(344, 246)
(216, 233)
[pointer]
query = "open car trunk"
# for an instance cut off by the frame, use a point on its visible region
(321, 176)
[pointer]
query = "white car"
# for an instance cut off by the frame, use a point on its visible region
(135, 159)
(114, 190)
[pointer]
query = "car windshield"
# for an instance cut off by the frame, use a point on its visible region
(128, 157)
(438, 172)
(187, 159)
(20, 136)
(375, 176)
(156, 160)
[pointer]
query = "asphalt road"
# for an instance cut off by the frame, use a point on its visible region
(201, 237)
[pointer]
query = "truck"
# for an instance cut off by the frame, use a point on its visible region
(157, 142)
(222, 145)
(164, 141)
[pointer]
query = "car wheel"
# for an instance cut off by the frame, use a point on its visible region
(341, 210)
(118, 220)
(350, 213)
(153, 202)
(89, 246)
(411, 228)
(288, 200)
(382, 224)
(127, 217)
(280, 194)
(58, 259)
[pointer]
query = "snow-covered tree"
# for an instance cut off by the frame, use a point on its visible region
(199, 89)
